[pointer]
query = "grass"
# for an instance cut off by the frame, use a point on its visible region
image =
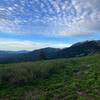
(60, 79)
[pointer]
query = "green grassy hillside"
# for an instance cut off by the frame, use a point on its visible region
(60, 79)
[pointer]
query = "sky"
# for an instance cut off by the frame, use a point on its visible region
(34, 24)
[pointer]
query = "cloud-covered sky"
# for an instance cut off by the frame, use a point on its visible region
(56, 21)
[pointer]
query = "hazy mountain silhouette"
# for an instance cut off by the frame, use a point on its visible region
(76, 50)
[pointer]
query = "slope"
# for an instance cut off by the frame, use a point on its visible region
(62, 79)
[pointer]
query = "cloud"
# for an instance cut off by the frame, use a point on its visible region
(87, 20)
(15, 45)
(50, 17)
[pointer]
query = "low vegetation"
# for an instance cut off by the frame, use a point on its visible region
(60, 79)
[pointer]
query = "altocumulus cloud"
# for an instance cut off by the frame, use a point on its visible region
(50, 17)
(27, 45)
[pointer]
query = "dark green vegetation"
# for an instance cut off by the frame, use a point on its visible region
(60, 79)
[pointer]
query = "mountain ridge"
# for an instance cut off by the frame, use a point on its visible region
(76, 50)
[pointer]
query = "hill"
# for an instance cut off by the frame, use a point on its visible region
(30, 56)
(76, 50)
(80, 49)
(59, 79)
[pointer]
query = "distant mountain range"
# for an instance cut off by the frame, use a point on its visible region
(4, 54)
(76, 50)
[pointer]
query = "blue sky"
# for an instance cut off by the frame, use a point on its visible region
(33, 24)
